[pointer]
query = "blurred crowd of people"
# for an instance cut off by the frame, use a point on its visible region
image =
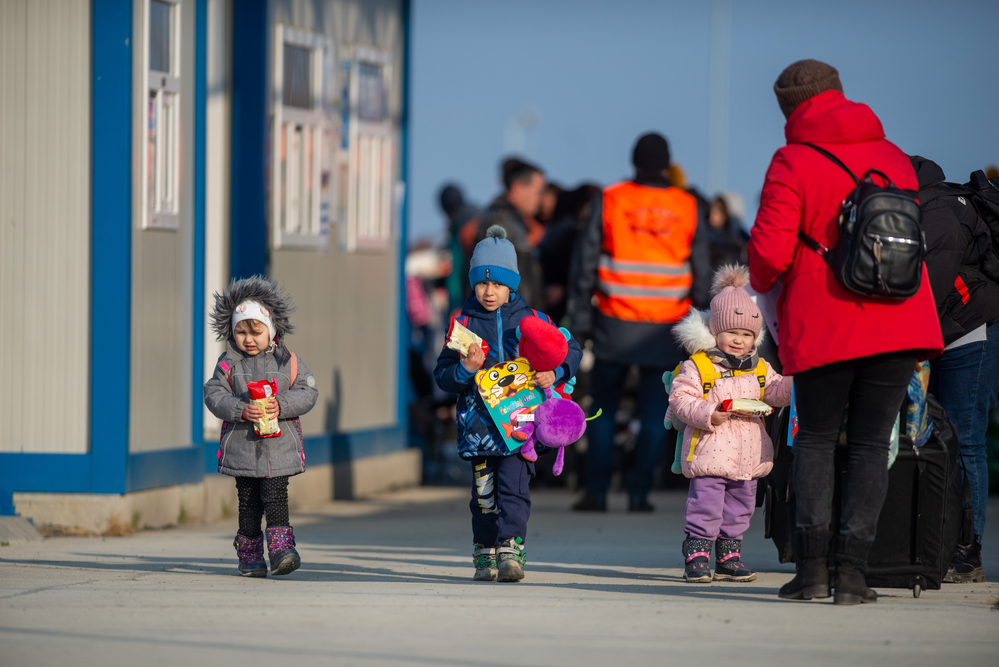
(543, 219)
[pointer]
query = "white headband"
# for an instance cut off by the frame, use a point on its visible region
(252, 310)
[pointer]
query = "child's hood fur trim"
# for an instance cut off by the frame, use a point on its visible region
(256, 288)
(693, 334)
(730, 275)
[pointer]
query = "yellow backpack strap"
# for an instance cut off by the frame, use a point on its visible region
(709, 375)
(706, 370)
(761, 376)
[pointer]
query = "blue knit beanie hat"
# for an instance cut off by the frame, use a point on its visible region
(495, 259)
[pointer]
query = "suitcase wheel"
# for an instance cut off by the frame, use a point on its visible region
(918, 584)
(916, 590)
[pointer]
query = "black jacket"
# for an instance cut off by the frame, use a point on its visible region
(958, 247)
(647, 344)
(501, 212)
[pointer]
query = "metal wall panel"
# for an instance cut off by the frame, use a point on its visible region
(347, 316)
(162, 277)
(45, 117)
(217, 151)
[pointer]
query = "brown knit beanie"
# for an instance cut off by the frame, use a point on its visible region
(804, 79)
(732, 307)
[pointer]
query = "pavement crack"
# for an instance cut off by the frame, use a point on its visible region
(47, 588)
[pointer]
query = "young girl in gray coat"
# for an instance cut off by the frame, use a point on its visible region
(251, 315)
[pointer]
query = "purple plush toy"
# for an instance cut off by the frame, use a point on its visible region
(558, 422)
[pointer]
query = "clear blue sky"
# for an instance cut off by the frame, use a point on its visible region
(595, 74)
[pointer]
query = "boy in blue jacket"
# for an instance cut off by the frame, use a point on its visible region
(501, 500)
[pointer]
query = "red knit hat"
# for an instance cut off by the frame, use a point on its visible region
(732, 307)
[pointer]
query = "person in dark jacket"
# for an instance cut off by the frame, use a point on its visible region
(726, 237)
(643, 257)
(839, 346)
(458, 212)
(515, 212)
(501, 500)
(964, 273)
(555, 251)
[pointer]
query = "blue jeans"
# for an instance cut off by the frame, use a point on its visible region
(966, 382)
(607, 381)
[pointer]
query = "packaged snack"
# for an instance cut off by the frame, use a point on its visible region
(459, 338)
(261, 393)
(746, 405)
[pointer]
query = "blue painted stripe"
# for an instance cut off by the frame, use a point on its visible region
(198, 301)
(111, 252)
(403, 392)
(149, 470)
(51, 473)
(248, 238)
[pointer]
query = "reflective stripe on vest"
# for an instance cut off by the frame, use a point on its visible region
(644, 273)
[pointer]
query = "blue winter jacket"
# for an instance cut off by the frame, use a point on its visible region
(477, 434)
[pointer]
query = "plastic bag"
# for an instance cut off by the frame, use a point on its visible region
(261, 393)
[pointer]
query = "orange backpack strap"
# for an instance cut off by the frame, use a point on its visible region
(294, 370)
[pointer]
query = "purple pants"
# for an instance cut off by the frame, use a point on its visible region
(719, 507)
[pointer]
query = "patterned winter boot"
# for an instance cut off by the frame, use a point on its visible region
(281, 550)
(485, 562)
(250, 551)
(511, 555)
(728, 562)
(696, 554)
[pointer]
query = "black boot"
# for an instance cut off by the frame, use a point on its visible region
(697, 566)
(728, 562)
(966, 566)
(811, 580)
(590, 504)
(851, 587)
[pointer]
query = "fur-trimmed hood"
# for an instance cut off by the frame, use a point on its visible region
(693, 334)
(256, 288)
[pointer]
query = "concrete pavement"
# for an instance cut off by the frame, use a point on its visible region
(387, 582)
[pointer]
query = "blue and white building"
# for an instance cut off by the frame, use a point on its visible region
(150, 150)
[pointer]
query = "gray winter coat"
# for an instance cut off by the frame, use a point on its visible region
(243, 453)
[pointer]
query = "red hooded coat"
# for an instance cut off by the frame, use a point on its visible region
(821, 322)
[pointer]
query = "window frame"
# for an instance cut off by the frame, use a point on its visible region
(168, 153)
(311, 231)
(370, 138)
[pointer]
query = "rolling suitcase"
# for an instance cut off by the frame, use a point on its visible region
(924, 515)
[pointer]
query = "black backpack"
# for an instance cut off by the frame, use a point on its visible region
(983, 195)
(881, 245)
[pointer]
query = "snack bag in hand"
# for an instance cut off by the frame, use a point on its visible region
(260, 393)
(459, 338)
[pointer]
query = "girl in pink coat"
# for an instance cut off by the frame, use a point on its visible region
(731, 449)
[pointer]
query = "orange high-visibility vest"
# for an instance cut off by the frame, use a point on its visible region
(644, 273)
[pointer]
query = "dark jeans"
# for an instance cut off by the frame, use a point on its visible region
(260, 495)
(966, 382)
(607, 381)
(501, 498)
(875, 388)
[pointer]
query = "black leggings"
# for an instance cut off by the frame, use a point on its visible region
(257, 496)
(875, 388)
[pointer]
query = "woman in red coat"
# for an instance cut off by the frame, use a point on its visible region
(839, 346)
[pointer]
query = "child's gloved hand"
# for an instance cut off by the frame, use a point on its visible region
(252, 413)
(273, 408)
(476, 357)
(544, 379)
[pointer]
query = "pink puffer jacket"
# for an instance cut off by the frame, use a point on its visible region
(738, 448)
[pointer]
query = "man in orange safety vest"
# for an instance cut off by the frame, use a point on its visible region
(637, 268)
